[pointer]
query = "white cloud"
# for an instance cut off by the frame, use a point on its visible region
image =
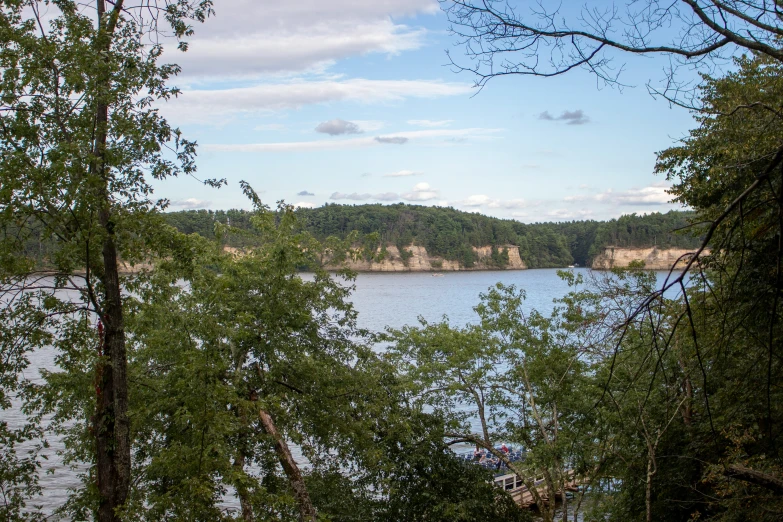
(509, 203)
(429, 123)
(219, 105)
(401, 174)
(392, 140)
(655, 194)
(479, 200)
(651, 196)
(189, 203)
(354, 196)
(249, 37)
(437, 133)
(421, 192)
(304, 204)
(293, 146)
(413, 136)
(475, 201)
(337, 126)
(387, 196)
(420, 196)
(604, 196)
(577, 117)
(646, 196)
(315, 48)
(562, 214)
(369, 125)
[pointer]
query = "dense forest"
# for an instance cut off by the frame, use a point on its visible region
(451, 233)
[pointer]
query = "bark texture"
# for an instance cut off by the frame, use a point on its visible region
(306, 509)
(112, 426)
(770, 482)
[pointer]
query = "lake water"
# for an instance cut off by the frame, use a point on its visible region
(382, 300)
(398, 299)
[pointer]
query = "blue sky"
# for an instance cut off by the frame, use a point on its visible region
(351, 102)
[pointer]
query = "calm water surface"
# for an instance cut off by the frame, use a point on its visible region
(399, 299)
(382, 300)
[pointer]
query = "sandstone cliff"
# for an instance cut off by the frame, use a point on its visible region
(421, 261)
(654, 258)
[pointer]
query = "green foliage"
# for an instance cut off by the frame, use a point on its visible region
(515, 376)
(431, 484)
(248, 336)
(541, 245)
(18, 467)
(246, 333)
(732, 161)
(670, 230)
(81, 142)
(639, 396)
(451, 233)
(499, 257)
(370, 244)
(405, 255)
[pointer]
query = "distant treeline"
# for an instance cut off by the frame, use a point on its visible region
(451, 233)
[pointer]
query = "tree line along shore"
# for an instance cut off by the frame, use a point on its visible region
(458, 237)
(404, 237)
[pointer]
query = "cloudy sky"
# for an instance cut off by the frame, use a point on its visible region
(341, 101)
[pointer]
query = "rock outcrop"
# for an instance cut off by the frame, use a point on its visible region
(654, 258)
(421, 261)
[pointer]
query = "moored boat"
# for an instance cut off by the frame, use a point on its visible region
(503, 477)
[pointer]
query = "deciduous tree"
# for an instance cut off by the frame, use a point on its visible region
(81, 140)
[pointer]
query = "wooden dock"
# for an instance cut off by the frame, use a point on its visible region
(524, 497)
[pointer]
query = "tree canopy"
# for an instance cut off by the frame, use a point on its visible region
(451, 233)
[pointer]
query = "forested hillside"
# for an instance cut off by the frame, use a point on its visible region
(451, 233)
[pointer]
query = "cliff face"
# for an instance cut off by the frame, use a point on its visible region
(654, 258)
(421, 261)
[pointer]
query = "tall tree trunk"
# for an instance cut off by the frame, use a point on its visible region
(244, 500)
(648, 488)
(113, 460)
(578, 506)
(112, 426)
(563, 489)
(103, 430)
(239, 460)
(118, 450)
(113, 434)
(551, 504)
(306, 509)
